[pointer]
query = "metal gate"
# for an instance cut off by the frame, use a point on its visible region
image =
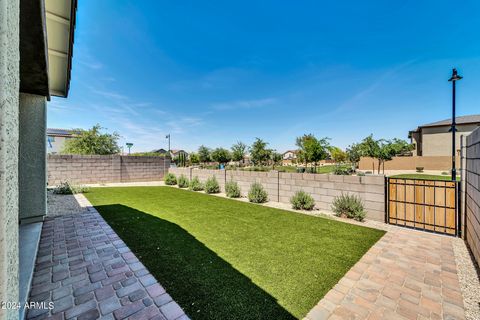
(428, 205)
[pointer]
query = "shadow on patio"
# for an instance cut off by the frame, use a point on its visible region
(204, 284)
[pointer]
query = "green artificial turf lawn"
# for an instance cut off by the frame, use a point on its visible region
(226, 259)
(421, 176)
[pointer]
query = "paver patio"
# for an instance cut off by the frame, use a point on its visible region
(88, 272)
(406, 275)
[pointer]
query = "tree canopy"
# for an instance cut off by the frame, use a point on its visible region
(92, 142)
(338, 155)
(239, 150)
(203, 154)
(259, 153)
(221, 155)
(311, 149)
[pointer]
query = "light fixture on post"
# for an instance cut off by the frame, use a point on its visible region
(454, 78)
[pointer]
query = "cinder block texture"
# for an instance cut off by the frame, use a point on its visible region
(104, 169)
(472, 193)
(323, 188)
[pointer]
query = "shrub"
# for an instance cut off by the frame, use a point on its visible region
(257, 194)
(232, 189)
(350, 206)
(302, 201)
(445, 173)
(342, 171)
(300, 169)
(419, 169)
(182, 181)
(195, 184)
(170, 179)
(67, 188)
(211, 185)
(361, 174)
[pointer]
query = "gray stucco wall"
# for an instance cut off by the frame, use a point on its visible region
(32, 161)
(9, 87)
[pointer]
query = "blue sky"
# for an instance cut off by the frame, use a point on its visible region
(214, 72)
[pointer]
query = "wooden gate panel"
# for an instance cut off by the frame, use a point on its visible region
(423, 204)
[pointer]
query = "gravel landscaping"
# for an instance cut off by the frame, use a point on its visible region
(469, 276)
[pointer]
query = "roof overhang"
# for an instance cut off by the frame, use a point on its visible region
(46, 46)
(60, 21)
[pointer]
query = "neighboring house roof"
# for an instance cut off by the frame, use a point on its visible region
(175, 151)
(474, 118)
(61, 132)
(292, 151)
(161, 150)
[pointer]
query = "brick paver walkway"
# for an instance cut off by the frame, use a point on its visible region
(88, 272)
(406, 275)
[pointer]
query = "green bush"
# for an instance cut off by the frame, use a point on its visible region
(302, 201)
(445, 173)
(195, 184)
(232, 189)
(182, 181)
(361, 174)
(67, 188)
(350, 206)
(342, 171)
(257, 194)
(211, 185)
(170, 179)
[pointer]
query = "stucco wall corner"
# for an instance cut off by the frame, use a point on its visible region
(9, 88)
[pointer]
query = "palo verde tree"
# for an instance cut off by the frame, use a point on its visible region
(203, 154)
(221, 155)
(239, 150)
(311, 149)
(92, 141)
(259, 153)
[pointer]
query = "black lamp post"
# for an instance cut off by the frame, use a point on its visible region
(455, 77)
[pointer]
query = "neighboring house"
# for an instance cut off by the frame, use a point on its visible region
(435, 139)
(56, 139)
(160, 151)
(289, 157)
(176, 152)
(35, 63)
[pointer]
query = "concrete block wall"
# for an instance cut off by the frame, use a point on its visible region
(84, 169)
(323, 188)
(472, 194)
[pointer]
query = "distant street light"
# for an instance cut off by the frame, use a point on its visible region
(455, 77)
(129, 145)
(168, 137)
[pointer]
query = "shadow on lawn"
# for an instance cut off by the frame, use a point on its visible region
(205, 285)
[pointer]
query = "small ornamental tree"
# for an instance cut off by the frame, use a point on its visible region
(354, 154)
(221, 155)
(239, 150)
(194, 158)
(204, 154)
